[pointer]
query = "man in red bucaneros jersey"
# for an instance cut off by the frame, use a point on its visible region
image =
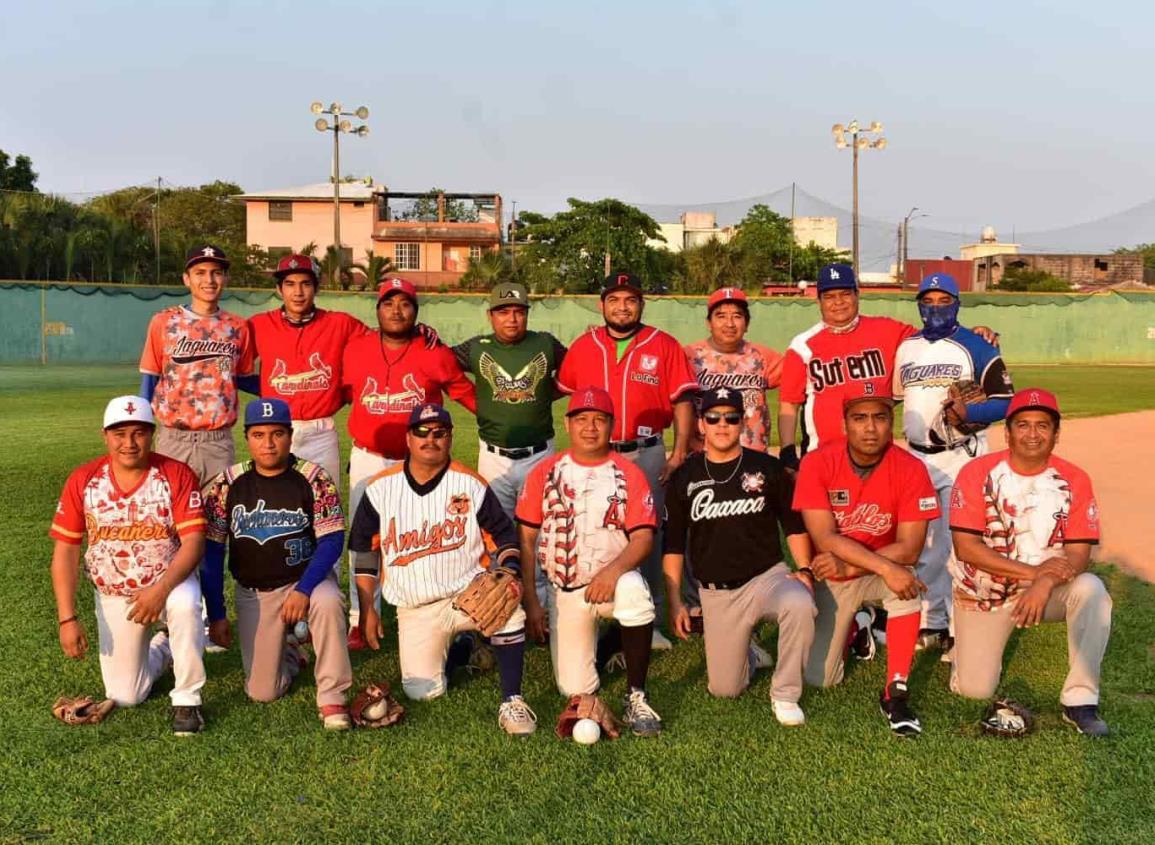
(866, 504)
(648, 376)
(1024, 521)
(300, 348)
(385, 375)
(143, 517)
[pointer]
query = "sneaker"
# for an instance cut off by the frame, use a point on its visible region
(895, 705)
(355, 642)
(187, 721)
(933, 638)
(335, 717)
(515, 717)
(1086, 720)
(616, 663)
(759, 657)
(788, 713)
(862, 645)
(640, 716)
(210, 646)
(658, 641)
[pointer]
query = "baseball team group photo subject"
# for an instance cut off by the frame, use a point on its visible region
(889, 525)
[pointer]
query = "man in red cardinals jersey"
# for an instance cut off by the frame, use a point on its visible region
(866, 504)
(385, 375)
(648, 376)
(301, 347)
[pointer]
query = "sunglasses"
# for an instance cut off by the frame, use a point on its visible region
(732, 418)
(423, 431)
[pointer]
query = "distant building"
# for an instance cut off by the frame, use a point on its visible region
(1082, 271)
(918, 269)
(988, 244)
(695, 228)
(823, 231)
(284, 220)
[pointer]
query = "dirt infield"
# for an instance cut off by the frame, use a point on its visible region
(1121, 463)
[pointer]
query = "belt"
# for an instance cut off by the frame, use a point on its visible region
(937, 449)
(731, 585)
(634, 445)
(516, 454)
(926, 450)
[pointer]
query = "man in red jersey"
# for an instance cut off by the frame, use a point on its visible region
(866, 504)
(385, 375)
(300, 348)
(648, 376)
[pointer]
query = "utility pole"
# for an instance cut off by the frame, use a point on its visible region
(900, 257)
(859, 139)
(156, 228)
(792, 235)
(905, 235)
(513, 238)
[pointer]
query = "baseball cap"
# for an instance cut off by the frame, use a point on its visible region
(392, 286)
(428, 413)
(735, 295)
(295, 263)
(717, 396)
(268, 412)
(1034, 399)
(873, 391)
(206, 252)
(590, 399)
(938, 281)
(508, 293)
(837, 277)
(621, 281)
(126, 409)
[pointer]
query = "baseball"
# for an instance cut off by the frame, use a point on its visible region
(586, 732)
(301, 630)
(376, 710)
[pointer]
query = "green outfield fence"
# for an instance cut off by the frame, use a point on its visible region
(68, 323)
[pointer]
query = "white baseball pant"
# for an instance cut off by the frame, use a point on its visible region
(363, 465)
(316, 441)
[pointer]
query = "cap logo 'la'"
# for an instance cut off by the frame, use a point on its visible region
(130, 408)
(209, 252)
(834, 274)
(510, 294)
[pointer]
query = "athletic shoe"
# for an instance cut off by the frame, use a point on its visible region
(515, 717)
(1086, 720)
(355, 642)
(658, 641)
(933, 638)
(642, 719)
(335, 717)
(616, 663)
(862, 645)
(187, 721)
(787, 713)
(895, 705)
(210, 646)
(759, 657)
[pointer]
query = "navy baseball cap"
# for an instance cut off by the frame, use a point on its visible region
(938, 281)
(206, 252)
(720, 396)
(430, 413)
(836, 277)
(268, 412)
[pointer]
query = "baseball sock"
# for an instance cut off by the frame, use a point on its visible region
(510, 665)
(459, 651)
(636, 644)
(901, 637)
(609, 644)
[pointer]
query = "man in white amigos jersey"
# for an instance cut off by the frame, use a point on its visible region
(925, 366)
(425, 528)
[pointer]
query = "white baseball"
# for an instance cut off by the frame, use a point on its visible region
(301, 630)
(586, 732)
(376, 710)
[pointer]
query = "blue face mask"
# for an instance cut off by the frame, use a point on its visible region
(938, 321)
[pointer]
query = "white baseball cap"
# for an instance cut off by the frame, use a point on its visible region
(125, 409)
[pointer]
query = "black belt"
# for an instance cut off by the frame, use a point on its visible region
(517, 454)
(634, 445)
(926, 450)
(731, 585)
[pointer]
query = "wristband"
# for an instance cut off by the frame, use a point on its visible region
(64, 622)
(807, 571)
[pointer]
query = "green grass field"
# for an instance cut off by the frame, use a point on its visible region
(723, 771)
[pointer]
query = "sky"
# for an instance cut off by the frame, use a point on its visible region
(1022, 115)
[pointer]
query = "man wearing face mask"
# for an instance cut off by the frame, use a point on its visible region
(926, 364)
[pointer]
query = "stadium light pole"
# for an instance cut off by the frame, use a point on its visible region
(337, 127)
(906, 242)
(859, 139)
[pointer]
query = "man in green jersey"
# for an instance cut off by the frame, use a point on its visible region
(514, 369)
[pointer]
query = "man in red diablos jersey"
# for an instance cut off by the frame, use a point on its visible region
(385, 375)
(300, 347)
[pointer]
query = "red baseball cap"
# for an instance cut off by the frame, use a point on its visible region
(1034, 399)
(295, 263)
(868, 391)
(392, 286)
(721, 295)
(590, 399)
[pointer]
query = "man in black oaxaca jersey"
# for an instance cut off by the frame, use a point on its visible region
(725, 506)
(281, 518)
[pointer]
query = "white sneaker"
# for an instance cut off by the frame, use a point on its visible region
(658, 641)
(788, 713)
(641, 718)
(617, 662)
(759, 657)
(210, 646)
(515, 717)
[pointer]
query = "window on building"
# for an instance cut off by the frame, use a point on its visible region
(276, 253)
(346, 256)
(281, 211)
(475, 253)
(1101, 265)
(407, 256)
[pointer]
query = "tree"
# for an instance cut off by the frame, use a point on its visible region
(1145, 250)
(373, 269)
(334, 269)
(487, 271)
(707, 267)
(17, 175)
(425, 208)
(1024, 279)
(763, 245)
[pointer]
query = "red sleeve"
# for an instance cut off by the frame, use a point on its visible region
(567, 374)
(456, 384)
(679, 374)
(1083, 519)
(792, 387)
(640, 511)
(773, 367)
(917, 501)
(528, 511)
(967, 506)
(188, 513)
(152, 356)
(247, 365)
(68, 523)
(811, 488)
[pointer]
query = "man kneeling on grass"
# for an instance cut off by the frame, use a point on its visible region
(1023, 522)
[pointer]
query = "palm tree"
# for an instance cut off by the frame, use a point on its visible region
(334, 269)
(309, 250)
(486, 271)
(373, 269)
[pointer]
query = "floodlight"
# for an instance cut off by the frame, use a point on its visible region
(852, 127)
(862, 143)
(362, 112)
(875, 126)
(841, 144)
(321, 124)
(838, 129)
(880, 144)
(316, 108)
(345, 126)
(335, 108)
(362, 131)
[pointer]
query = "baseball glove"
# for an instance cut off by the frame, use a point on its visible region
(959, 395)
(587, 707)
(82, 710)
(490, 599)
(1008, 719)
(374, 707)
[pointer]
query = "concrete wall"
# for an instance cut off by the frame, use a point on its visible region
(312, 221)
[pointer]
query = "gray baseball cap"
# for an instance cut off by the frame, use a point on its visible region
(508, 293)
